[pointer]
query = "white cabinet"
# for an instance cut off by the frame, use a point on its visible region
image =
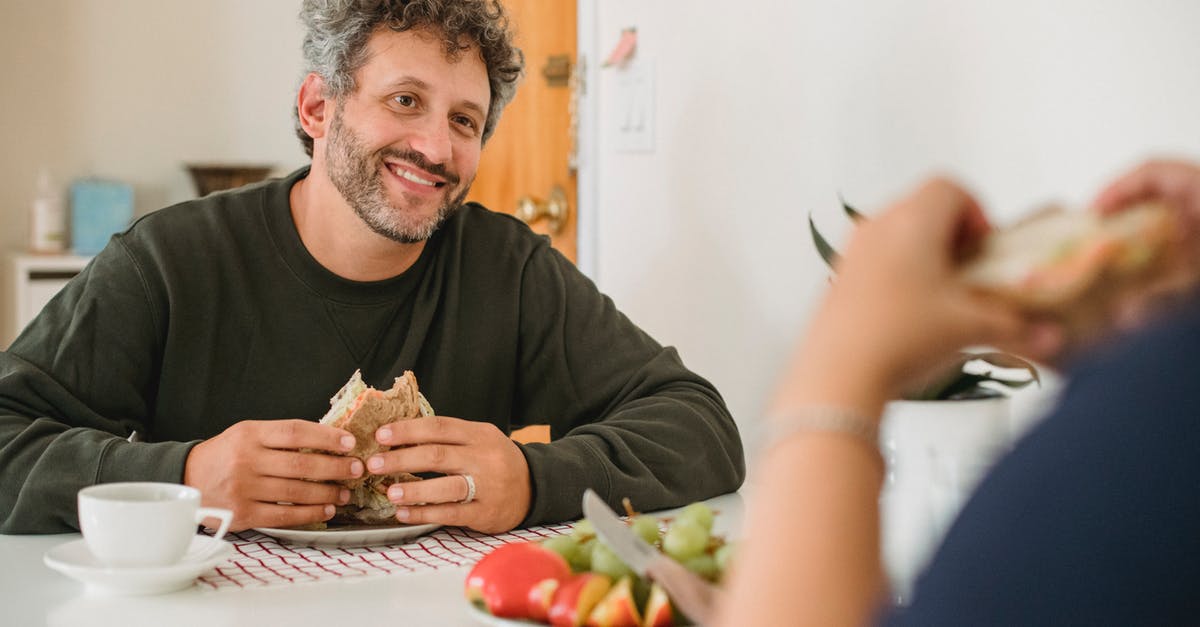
(30, 281)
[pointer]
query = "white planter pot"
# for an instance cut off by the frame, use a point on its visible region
(936, 452)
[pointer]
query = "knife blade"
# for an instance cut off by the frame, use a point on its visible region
(693, 595)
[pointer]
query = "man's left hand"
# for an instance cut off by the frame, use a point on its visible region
(459, 449)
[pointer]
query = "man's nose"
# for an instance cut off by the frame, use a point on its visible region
(432, 140)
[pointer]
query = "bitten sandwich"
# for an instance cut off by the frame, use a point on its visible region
(1075, 264)
(361, 410)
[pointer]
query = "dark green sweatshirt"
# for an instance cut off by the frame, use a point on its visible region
(212, 311)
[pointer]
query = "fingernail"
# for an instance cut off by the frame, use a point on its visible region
(343, 497)
(356, 468)
(402, 513)
(375, 463)
(383, 435)
(329, 510)
(347, 442)
(395, 493)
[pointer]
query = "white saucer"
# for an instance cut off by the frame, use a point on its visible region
(74, 560)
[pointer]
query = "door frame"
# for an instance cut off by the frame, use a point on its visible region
(587, 153)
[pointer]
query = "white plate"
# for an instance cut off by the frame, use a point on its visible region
(363, 535)
(74, 560)
(495, 621)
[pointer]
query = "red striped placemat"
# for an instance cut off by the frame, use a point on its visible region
(261, 560)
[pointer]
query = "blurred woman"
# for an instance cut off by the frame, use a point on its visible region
(1094, 518)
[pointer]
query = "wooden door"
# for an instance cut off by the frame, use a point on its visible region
(530, 153)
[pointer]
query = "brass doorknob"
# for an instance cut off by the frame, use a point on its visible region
(555, 209)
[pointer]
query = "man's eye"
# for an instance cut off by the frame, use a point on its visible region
(405, 100)
(463, 120)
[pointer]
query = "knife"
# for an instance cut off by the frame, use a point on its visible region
(694, 596)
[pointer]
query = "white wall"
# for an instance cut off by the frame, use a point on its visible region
(767, 110)
(764, 113)
(133, 89)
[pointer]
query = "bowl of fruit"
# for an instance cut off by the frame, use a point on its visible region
(575, 579)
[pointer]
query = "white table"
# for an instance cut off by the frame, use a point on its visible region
(32, 594)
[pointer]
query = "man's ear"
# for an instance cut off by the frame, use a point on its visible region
(315, 110)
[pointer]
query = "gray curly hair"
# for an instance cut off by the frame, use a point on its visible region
(335, 46)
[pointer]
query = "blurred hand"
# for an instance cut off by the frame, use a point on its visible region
(455, 447)
(898, 310)
(256, 469)
(1177, 184)
(1174, 182)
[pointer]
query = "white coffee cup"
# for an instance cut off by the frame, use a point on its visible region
(143, 524)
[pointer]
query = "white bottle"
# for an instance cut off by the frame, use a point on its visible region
(48, 225)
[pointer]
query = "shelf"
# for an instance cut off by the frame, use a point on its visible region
(30, 280)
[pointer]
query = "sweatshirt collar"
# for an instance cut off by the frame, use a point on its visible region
(286, 239)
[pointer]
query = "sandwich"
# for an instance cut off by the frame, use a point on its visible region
(1076, 266)
(361, 410)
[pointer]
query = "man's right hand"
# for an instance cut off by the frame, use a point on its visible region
(255, 468)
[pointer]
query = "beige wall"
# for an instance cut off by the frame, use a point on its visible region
(133, 89)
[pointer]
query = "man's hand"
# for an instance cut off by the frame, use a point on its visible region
(255, 468)
(456, 448)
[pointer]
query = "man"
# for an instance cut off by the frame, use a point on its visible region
(217, 330)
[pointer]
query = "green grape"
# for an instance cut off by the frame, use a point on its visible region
(723, 555)
(685, 540)
(583, 530)
(606, 562)
(582, 560)
(704, 565)
(646, 527)
(565, 546)
(699, 513)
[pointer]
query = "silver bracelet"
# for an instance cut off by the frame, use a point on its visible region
(824, 418)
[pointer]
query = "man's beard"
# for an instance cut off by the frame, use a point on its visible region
(355, 173)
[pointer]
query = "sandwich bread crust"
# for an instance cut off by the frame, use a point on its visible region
(1075, 265)
(361, 410)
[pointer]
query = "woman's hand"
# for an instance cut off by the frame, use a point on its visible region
(898, 309)
(1177, 184)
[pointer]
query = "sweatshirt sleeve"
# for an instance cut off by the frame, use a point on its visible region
(73, 387)
(627, 419)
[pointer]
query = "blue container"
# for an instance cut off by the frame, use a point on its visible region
(98, 210)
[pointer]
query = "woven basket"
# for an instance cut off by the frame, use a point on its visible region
(211, 178)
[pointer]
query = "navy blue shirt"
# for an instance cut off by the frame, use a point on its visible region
(1094, 518)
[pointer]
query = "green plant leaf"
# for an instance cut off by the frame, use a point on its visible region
(961, 385)
(823, 248)
(954, 382)
(936, 388)
(1006, 360)
(1009, 383)
(850, 211)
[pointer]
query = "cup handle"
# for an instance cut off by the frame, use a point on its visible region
(225, 515)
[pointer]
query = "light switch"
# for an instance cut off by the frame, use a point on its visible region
(633, 115)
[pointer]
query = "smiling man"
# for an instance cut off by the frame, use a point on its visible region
(218, 329)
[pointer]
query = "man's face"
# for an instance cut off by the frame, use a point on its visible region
(404, 147)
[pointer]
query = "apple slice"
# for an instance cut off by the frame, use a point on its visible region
(541, 596)
(658, 609)
(617, 608)
(575, 598)
(503, 581)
